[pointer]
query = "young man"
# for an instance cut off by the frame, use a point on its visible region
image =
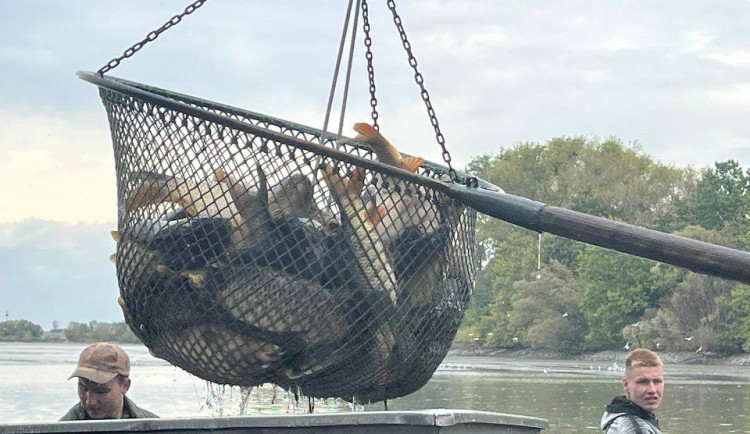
(103, 380)
(644, 387)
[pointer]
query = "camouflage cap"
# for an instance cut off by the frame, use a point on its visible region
(102, 362)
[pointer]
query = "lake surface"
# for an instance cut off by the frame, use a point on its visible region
(570, 394)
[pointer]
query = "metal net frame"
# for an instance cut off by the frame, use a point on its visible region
(248, 253)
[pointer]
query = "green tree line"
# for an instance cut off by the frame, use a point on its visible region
(26, 331)
(19, 331)
(586, 298)
(96, 331)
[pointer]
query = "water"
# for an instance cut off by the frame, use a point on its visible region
(570, 394)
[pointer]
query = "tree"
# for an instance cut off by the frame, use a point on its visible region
(739, 315)
(722, 195)
(619, 296)
(19, 330)
(698, 314)
(545, 311)
(95, 331)
(616, 293)
(606, 178)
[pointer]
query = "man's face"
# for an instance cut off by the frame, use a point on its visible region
(644, 386)
(103, 401)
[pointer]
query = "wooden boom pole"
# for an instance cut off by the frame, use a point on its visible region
(705, 258)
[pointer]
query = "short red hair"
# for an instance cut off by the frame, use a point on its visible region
(641, 357)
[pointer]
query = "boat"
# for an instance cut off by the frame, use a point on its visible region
(423, 421)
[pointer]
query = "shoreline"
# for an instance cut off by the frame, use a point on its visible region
(469, 350)
(671, 357)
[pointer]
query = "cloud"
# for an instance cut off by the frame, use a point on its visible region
(670, 75)
(57, 271)
(56, 167)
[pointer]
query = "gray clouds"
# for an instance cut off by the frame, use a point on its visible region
(670, 76)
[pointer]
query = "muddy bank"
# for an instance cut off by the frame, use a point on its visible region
(690, 358)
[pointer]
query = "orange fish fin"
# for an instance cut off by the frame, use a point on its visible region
(220, 174)
(412, 163)
(371, 214)
(376, 213)
(366, 130)
(357, 180)
(368, 133)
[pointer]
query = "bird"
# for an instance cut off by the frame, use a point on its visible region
(515, 339)
(565, 315)
(690, 338)
(627, 346)
(658, 345)
(698, 350)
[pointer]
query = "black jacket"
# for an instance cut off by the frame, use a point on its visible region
(131, 410)
(623, 416)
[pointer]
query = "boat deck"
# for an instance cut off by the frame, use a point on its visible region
(422, 421)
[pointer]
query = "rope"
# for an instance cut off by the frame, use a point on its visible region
(349, 68)
(336, 72)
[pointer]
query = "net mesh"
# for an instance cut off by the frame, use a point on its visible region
(247, 260)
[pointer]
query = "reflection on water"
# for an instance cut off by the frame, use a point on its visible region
(570, 394)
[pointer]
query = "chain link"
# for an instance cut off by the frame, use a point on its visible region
(425, 95)
(370, 68)
(112, 64)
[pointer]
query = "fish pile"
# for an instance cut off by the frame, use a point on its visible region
(246, 285)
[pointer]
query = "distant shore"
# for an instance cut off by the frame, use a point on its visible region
(468, 350)
(688, 358)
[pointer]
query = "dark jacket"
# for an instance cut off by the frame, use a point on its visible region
(623, 416)
(131, 411)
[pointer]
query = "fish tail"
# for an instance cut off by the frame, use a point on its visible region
(412, 163)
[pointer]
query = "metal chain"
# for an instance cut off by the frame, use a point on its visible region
(112, 64)
(370, 68)
(425, 96)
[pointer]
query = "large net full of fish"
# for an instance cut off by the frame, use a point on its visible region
(245, 259)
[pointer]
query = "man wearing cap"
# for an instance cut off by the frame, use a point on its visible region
(103, 380)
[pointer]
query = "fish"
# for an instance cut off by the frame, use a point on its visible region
(253, 224)
(220, 354)
(279, 234)
(183, 244)
(206, 199)
(391, 210)
(384, 151)
(292, 197)
(297, 315)
(373, 259)
(197, 198)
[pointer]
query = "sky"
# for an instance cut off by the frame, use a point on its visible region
(670, 77)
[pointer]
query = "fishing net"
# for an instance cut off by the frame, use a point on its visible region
(250, 251)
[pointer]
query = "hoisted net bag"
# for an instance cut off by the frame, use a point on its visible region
(250, 255)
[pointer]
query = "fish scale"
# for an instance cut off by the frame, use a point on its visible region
(369, 250)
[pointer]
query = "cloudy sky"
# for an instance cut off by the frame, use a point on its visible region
(672, 77)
